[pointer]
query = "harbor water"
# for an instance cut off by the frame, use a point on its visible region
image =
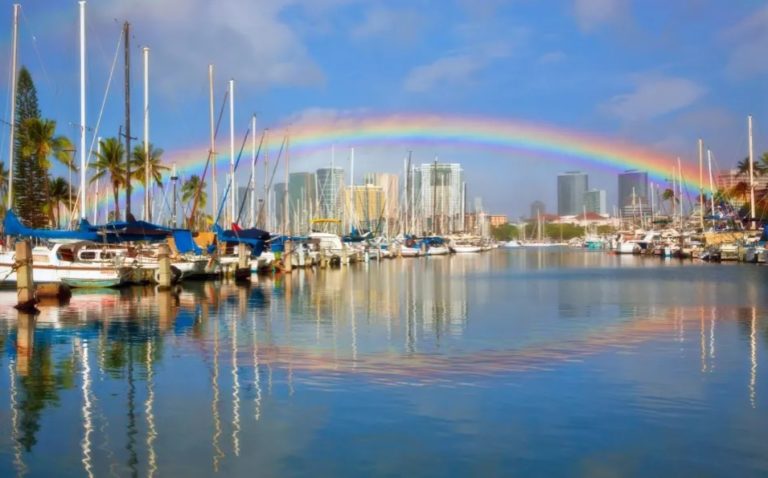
(524, 362)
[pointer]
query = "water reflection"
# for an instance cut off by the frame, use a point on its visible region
(137, 361)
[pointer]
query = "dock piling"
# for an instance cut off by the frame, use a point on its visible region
(25, 286)
(287, 257)
(164, 277)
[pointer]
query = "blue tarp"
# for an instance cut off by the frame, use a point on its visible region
(114, 232)
(184, 242)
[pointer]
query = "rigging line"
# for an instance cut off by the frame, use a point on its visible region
(250, 177)
(232, 180)
(210, 154)
(274, 170)
(101, 112)
(92, 34)
(28, 24)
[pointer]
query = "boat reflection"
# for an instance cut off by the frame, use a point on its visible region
(387, 324)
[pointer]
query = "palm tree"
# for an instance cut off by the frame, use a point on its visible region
(139, 163)
(190, 189)
(110, 161)
(669, 196)
(759, 167)
(60, 192)
(3, 183)
(740, 189)
(38, 140)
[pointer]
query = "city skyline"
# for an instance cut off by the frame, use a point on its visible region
(565, 71)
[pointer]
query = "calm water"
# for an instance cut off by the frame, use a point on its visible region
(522, 362)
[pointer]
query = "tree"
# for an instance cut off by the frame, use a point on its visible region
(38, 140)
(759, 167)
(29, 178)
(669, 196)
(189, 190)
(110, 162)
(740, 189)
(138, 165)
(60, 192)
(3, 184)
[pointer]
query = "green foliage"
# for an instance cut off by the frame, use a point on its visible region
(139, 165)
(59, 190)
(39, 143)
(555, 232)
(110, 162)
(504, 232)
(29, 177)
(189, 190)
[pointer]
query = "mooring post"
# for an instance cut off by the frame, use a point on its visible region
(25, 338)
(287, 257)
(164, 277)
(243, 269)
(25, 286)
(242, 256)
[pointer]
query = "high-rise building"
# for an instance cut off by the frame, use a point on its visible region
(633, 193)
(538, 209)
(442, 197)
(278, 206)
(365, 205)
(595, 201)
(302, 201)
(478, 204)
(390, 185)
(571, 187)
(330, 183)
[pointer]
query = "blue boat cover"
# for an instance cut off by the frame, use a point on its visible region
(113, 232)
(184, 242)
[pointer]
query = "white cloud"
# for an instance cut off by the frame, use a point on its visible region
(749, 42)
(552, 57)
(591, 14)
(397, 25)
(456, 69)
(654, 96)
(251, 43)
(449, 70)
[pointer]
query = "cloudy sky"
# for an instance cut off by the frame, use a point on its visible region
(657, 73)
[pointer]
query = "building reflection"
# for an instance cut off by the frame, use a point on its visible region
(387, 322)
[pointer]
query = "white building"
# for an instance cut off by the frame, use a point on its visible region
(441, 201)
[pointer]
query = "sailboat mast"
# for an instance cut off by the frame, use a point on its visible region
(680, 189)
(147, 184)
(253, 172)
(353, 211)
(96, 192)
(265, 207)
(12, 119)
(751, 176)
(232, 150)
(82, 108)
(711, 183)
(127, 63)
(701, 184)
(286, 200)
(212, 148)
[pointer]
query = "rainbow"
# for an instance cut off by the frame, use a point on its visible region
(523, 141)
(526, 140)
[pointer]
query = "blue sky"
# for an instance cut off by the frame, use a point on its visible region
(653, 72)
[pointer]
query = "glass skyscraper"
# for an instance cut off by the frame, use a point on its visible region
(330, 182)
(571, 187)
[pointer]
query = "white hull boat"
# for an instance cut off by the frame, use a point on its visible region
(59, 265)
(462, 249)
(438, 251)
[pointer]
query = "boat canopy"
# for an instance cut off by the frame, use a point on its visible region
(253, 237)
(113, 232)
(182, 239)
